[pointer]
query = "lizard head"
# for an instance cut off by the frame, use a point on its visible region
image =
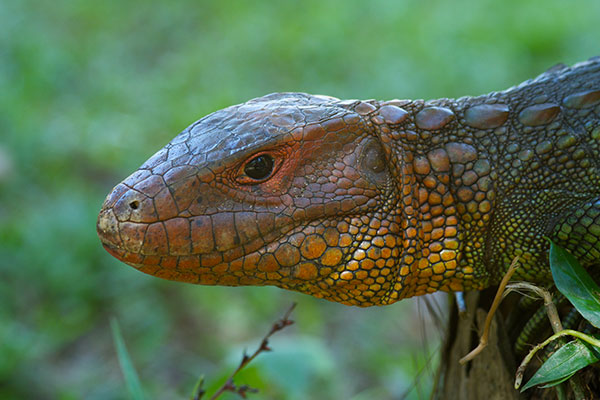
(297, 191)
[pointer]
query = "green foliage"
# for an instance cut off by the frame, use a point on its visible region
(563, 364)
(581, 290)
(132, 381)
(90, 90)
(576, 284)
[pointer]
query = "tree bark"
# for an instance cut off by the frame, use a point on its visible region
(490, 375)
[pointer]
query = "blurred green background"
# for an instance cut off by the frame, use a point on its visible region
(89, 90)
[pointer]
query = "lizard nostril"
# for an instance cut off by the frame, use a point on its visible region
(134, 205)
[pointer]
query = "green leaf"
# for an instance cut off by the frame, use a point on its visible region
(129, 373)
(199, 391)
(575, 283)
(557, 382)
(567, 360)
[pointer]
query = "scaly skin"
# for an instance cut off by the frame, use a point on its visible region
(369, 202)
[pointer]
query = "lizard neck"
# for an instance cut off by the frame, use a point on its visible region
(446, 181)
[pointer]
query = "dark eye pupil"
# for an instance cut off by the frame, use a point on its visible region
(259, 167)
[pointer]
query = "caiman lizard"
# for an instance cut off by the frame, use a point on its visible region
(368, 202)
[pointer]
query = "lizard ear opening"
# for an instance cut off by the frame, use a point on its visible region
(373, 162)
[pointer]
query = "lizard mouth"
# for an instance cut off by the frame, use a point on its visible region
(243, 265)
(287, 253)
(198, 243)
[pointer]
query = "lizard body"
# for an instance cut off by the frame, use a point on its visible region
(368, 202)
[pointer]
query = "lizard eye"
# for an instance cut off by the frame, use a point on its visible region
(259, 167)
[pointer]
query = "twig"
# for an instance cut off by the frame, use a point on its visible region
(242, 390)
(483, 341)
(548, 303)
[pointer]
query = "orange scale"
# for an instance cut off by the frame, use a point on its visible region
(439, 268)
(346, 275)
(221, 268)
(374, 273)
(437, 233)
(361, 275)
(367, 264)
(426, 273)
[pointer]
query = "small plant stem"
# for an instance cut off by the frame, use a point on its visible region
(483, 341)
(264, 346)
(548, 303)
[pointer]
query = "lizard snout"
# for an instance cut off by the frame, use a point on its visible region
(107, 228)
(124, 218)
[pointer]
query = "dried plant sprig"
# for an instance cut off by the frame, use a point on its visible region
(483, 341)
(243, 390)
